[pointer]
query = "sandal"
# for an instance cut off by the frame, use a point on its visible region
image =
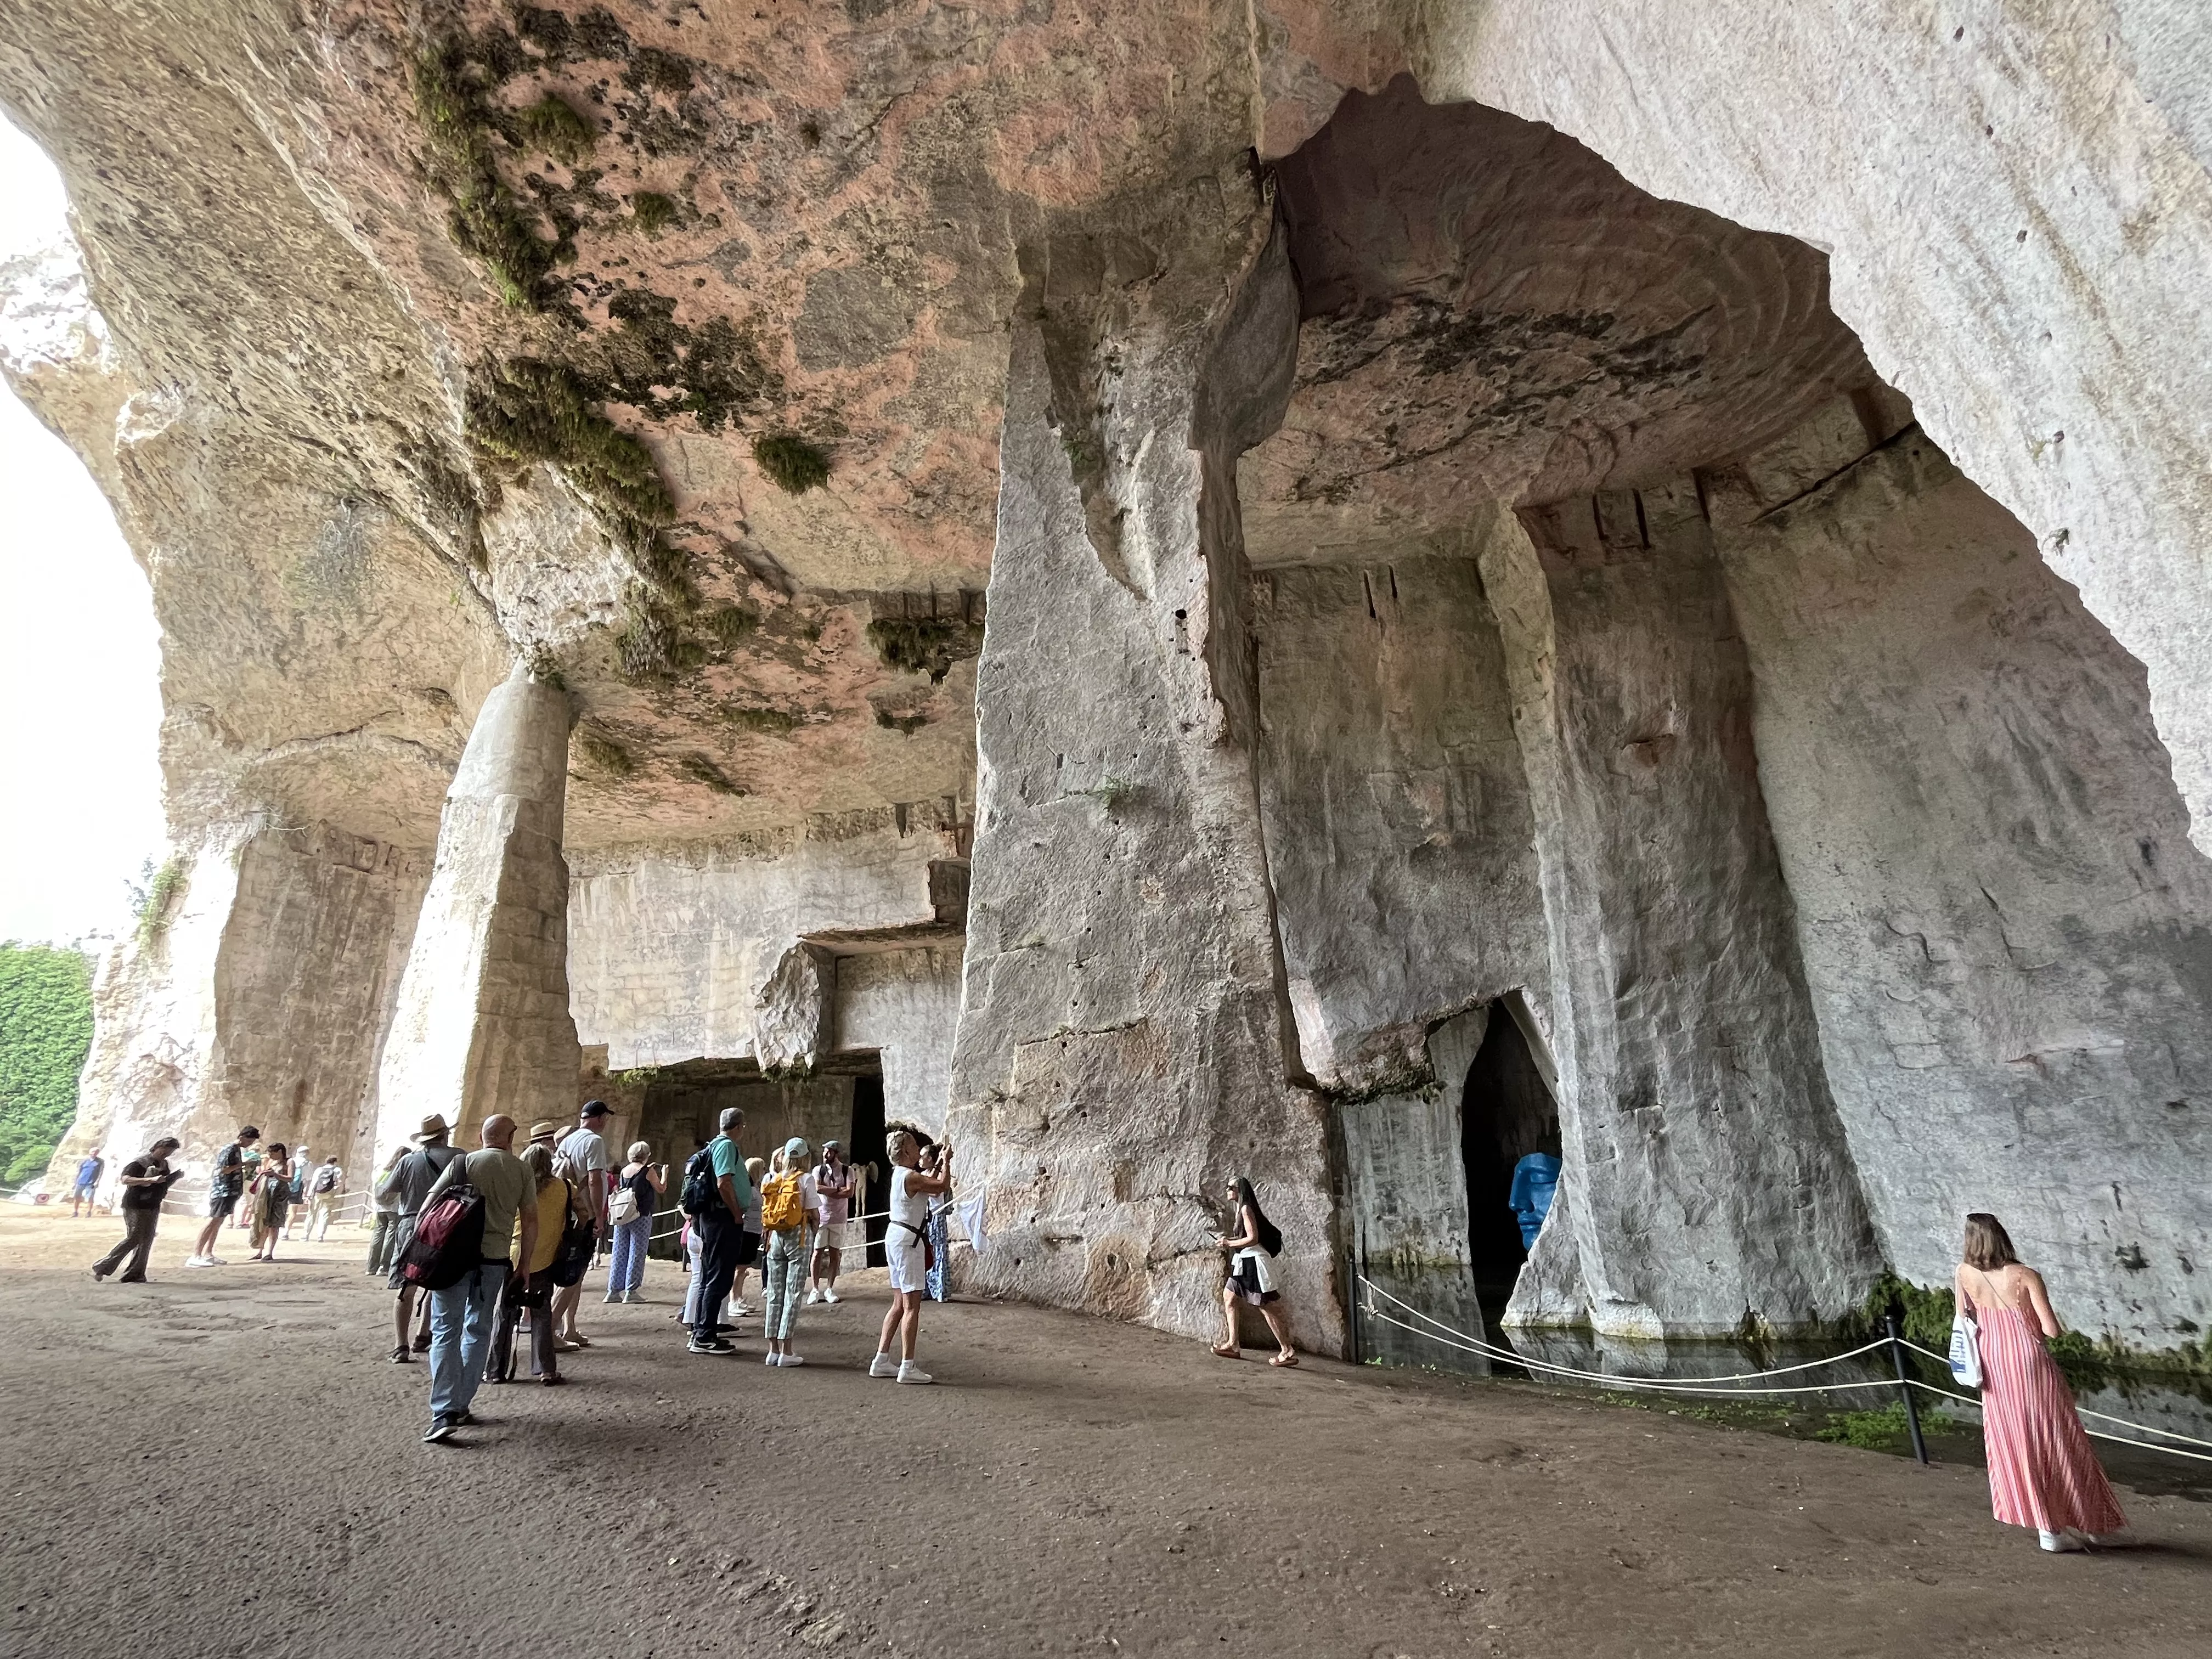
(1222, 1350)
(1285, 1360)
(400, 1355)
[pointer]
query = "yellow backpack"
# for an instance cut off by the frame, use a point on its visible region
(780, 1210)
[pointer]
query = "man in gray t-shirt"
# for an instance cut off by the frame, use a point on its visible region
(417, 1173)
(462, 1312)
(585, 1148)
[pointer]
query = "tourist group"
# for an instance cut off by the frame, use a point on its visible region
(451, 1226)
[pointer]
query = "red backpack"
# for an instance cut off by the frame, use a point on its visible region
(448, 1241)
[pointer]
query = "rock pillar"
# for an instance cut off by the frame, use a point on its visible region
(1122, 1050)
(256, 992)
(482, 1022)
(1707, 1179)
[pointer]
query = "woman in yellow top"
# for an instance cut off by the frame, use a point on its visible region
(531, 1287)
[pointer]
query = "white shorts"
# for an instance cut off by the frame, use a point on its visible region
(902, 1251)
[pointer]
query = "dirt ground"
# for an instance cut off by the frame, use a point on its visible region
(223, 1461)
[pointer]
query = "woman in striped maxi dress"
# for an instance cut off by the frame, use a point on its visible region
(2042, 1473)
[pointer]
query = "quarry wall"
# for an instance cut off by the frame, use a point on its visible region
(1435, 567)
(2002, 919)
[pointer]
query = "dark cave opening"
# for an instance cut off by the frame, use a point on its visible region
(1506, 1112)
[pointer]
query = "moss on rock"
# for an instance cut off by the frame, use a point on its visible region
(526, 412)
(652, 211)
(601, 754)
(928, 645)
(731, 623)
(774, 720)
(792, 464)
(553, 125)
(700, 769)
(485, 218)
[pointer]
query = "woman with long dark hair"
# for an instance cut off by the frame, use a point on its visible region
(271, 1188)
(2042, 1473)
(1251, 1275)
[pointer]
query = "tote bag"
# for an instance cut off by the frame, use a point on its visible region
(622, 1206)
(1965, 1349)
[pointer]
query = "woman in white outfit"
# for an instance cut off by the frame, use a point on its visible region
(1251, 1275)
(910, 1193)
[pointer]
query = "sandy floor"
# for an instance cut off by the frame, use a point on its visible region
(223, 1461)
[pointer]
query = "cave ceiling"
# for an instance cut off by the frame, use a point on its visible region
(1490, 312)
(663, 345)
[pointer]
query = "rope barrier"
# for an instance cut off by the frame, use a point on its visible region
(1445, 1336)
(1512, 1358)
(1944, 1360)
(2094, 1434)
(1658, 1385)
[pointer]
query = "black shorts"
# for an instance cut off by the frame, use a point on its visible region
(749, 1245)
(219, 1202)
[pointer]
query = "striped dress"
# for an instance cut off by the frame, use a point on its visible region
(2042, 1473)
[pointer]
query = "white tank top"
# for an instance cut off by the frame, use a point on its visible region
(910, 1209)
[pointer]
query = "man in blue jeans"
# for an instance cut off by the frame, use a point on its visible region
(461, 1314)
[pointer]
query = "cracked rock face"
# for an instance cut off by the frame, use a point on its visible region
(1353, 519)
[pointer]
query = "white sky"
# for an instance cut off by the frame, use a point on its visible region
(80, 707)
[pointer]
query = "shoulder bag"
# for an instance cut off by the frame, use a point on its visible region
(1965, 1346)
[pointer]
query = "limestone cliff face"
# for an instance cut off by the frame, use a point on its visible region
(1264, 545)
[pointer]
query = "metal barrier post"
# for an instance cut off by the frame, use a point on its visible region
(1904, 1383)
(1358, 1296)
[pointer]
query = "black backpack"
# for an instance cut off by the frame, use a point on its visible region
(448, 1241)
(702, 1191)
(579, 1243)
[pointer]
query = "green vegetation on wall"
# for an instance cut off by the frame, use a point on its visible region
(930, 645)
(731, 623)
(700, 769)
(485, 218)
(152, 902)
(600, 753)
(793, 464)
(2083, 1358)
(486, 131)
(46, 1029)
(525, 411)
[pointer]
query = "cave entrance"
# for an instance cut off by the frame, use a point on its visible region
(683, 1104)
(1506, 1113)
(865, 1150)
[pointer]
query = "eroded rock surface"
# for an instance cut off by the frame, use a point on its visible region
(1681, 527)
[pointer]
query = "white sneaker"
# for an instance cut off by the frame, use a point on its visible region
(910, 1372)
(813, 1296)
(883, 1365)
(774, 1359)
(742, 1311)
(828, 1296)
(792, 1359)
(2061, 1543)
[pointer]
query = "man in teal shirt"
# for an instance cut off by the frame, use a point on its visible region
(718, 1225)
